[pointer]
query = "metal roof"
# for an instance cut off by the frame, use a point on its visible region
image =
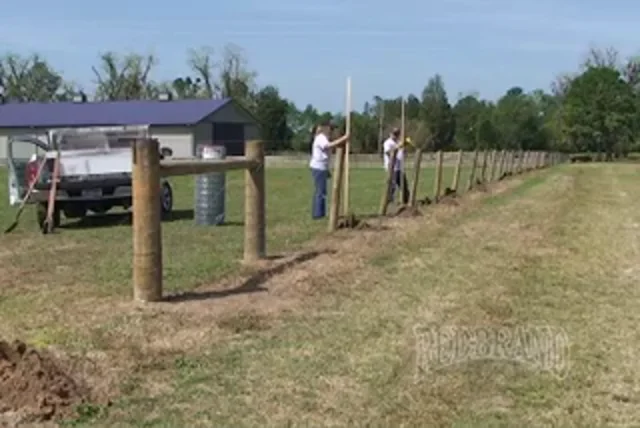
(72, 114)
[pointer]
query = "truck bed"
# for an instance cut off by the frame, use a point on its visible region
(93, 163)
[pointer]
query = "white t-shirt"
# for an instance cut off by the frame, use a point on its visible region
(320, 153)
(389, 145)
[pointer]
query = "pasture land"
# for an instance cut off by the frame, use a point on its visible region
(324, 336)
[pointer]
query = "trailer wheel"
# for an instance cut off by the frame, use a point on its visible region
(41, 215)
(166, 200)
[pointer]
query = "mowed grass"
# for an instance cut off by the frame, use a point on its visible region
(45, 276)
(556, 248)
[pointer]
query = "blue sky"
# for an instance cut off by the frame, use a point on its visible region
(308, 49)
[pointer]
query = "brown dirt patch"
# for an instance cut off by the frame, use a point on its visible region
(34, 386)
(449, 200)
(352, 222)
(424, 202)
(481, 187)
(407, 211)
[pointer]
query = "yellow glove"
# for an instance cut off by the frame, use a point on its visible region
(408, 141)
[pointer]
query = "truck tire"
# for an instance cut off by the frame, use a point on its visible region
(166, 200)
(41, 216)
(75, 211)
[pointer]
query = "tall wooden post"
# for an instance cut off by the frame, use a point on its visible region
(437, 186)
(147, 232)
(386, 193)
(456, 173)
(483, 171)
(347, 165)
(494, 164)
(474, 166)
(403, 137)
(503, 157)
(416, 178)
(255, 203)
(338, 173)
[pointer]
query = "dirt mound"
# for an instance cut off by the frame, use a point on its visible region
(407, 211)
(449, 191)
(350, 221)
(424, 202)
(481, 187)
(34, 385)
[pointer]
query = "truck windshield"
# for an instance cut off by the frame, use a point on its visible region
(92, 140)
(81, 141)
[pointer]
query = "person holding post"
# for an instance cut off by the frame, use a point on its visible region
(399, 177)
(319, 164)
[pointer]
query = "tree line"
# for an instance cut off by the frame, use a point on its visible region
(594, 109)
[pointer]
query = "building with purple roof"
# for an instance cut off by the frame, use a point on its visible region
(181, 125)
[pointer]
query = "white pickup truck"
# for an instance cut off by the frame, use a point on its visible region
(94, 171)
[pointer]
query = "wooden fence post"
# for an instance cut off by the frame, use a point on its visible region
(456, 173)
(416, 178)
(474, 166)
(483, 171)
(511, 161)
(147, 232)
(255, 203)
(520, 159)
(386, 193)
(338, 173)
(437, 187)
(494, 160)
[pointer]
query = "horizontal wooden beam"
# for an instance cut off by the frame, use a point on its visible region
(197, 167)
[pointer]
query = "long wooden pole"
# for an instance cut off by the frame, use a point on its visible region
(474, 166)
(254, 204)
(456, 174)
(347, 166)
(336, 190)
(147, 233)
(416, 178)
(380, 126)
(403, 183)
(386, 193)
(483, 170)
(437, 184)
(494, 162)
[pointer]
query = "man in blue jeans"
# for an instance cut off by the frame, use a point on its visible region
(319, 165)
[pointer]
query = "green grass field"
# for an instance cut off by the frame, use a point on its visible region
(92, 260)
(325, 336)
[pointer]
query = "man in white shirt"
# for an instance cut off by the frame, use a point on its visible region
(319, 164)
(399, 177)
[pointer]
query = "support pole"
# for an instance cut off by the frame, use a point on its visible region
(437, 187)
(255, 204)
(416, 178)
(485, 160)
(403, 184)
(494, 164)
(456, 174)
(347, 165)
(474, 166)
(147, 232)
(334, 209)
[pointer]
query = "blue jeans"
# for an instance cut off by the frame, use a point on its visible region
(319, 205)
(399, 182)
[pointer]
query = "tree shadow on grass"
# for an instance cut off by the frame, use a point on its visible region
(254, 284)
